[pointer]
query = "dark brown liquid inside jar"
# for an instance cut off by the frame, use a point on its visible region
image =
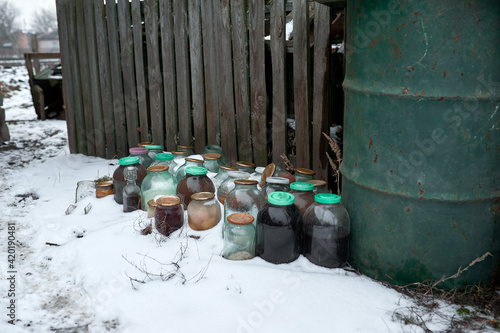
(326, 246)
(131, 203)
(303, 199)
(192, 184)
(168, 218)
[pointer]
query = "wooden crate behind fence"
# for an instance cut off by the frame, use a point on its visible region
(184, 72)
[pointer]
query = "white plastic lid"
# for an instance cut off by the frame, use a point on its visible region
(277, 180)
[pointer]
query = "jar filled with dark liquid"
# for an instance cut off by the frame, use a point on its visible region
(304, 195)
(326, 231)
(279, 229)
(119, 181)
(169, 214)
(131, 192)
(195, 180)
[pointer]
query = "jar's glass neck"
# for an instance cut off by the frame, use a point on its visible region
(246, 186)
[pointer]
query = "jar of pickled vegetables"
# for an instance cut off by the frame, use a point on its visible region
(203, 211)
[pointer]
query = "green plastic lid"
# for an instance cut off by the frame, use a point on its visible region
(327, 198)
(280, 198)
(196, 170)
(164, 156)
(302, 186)
(154, 147)
(129, 160)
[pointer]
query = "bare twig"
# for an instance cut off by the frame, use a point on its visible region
(335, 166)
(288, 165)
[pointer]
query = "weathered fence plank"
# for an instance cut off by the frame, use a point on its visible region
(116, 80)
(278, 59)
(197, 79)
(95, 86)
(241, 88)
(257, 80)
(154, 73)
(168, 65)
(104, 78)
(182, 73)
(85, 78)
(211, 80)
(322, 49)
(301, 81)
(68, 93)
(130, 93)
(222, 23)
(140, 71)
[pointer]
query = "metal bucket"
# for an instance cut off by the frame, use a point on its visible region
(421, 168)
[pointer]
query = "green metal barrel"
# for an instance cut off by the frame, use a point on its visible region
(421, 168)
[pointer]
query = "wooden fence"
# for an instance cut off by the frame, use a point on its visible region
(194, 72)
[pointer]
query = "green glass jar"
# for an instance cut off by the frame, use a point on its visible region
(153, 150)
(228, 184)
(304, 195)
(212, 161)
(275, 184)
(188, 149)
(222, 175)
(165, 159)
(246, 166)
(303, 174)
(142, 153)
(239, 237)
(158, 182)
(181, 171)
(216, 149)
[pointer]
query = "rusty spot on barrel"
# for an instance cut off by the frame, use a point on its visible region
(405, 90)
(371, 143)
(456, 38)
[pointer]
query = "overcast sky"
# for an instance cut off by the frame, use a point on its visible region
(27, 9)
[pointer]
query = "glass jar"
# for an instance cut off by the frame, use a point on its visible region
(274, 184)
(131, 192)
(203, 211)
(151, 208)
(222, 175)
(142, 153)
(144, 144)
(165, 159)
(326, 231)
(181, 171)
(158, 182)
(212, 161)
(119, 181)
(227, 185)
(179, 157)
(239, 237)
(189, 149)
(195, 180)
(304, 195)
(272, 170)
(216, 149)
(246, 166)
(169, 214)
(153, 150)
(319, 186)
(257, 175)
(303, 174)
(85, 188)
(104, 188)
(279, 229)
(243, 198)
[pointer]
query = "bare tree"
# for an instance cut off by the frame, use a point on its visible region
(45, 20)
(8, 13)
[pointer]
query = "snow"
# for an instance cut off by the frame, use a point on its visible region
(91, 281)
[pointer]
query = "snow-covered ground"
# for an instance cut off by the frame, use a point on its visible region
(98, 273)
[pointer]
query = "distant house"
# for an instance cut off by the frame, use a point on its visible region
(48, 42)
(15, 45)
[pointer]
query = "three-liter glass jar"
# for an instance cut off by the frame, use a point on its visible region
(169, 214)
(304, 195)
(153, 150)
(195, 180)
(279, 229)
(165, 159)
(188, 149)
(212, 161)
(239, 237)
(142, 153)
(326, 231)
(222, 175)
(319, 186)
(227, 185)
(181, 171)
(246, 166)
(303, 174)
(245, 197)
(203, 211)
(216, 149)
(275, 184)
(158, 182)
